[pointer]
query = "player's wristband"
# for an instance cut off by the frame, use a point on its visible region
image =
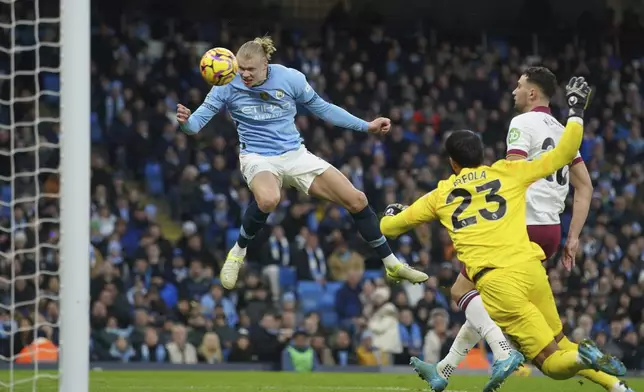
(577, 119)
(576, 112)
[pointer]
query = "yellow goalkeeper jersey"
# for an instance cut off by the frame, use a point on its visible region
(484, 208)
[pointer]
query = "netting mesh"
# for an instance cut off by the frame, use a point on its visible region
(29, 207)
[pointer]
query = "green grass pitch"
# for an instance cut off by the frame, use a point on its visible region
(215, 381)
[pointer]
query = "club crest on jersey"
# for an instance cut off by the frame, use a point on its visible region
(279, 94)
(264, 95)
(514, 135)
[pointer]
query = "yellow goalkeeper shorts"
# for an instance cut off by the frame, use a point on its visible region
(520, 301)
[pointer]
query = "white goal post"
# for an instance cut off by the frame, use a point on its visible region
(44, 110)
(75, 195)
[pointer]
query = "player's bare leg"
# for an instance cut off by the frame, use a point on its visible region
(461, 287)
(610, 383)
(266, 189)
(333, 186)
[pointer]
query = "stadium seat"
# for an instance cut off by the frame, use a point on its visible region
(327, 301)
(333, 287)
(309, 294)
(95, 129)
(372, 274)
(51, 87)
(309, 287)
(329, 319)
(231, 237)
(154, 179)
(5, 197)
(288, 278)
(309, 304)
(312, 223)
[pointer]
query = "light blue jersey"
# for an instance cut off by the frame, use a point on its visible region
(265, 114)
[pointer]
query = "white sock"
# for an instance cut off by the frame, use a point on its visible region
(465, 340)
(238, 250)
(618, 387)
(481, 321)
(390, 261)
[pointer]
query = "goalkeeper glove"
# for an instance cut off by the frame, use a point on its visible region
(578, 95)
(394, 209)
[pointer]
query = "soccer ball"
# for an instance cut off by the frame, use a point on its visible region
(218, 66)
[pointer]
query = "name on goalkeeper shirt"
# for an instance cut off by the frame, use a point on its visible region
(471, 176)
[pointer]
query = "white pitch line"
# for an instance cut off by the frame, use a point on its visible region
(274, 387)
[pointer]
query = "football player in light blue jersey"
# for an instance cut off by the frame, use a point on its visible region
(262, 101)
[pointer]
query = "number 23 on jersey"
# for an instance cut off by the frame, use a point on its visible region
(489, 205)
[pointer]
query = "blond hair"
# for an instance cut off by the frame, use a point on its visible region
(209, 354)
(263, 46)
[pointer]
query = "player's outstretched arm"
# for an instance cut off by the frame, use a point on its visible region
(578, 96)
(341, 118)
(399, 219)
(305, 95)
(192, 123)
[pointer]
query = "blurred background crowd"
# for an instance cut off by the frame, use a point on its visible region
(166, 207)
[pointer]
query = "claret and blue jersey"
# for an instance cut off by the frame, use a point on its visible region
(265, 114)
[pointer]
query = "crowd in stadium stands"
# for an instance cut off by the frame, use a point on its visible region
(309, 280)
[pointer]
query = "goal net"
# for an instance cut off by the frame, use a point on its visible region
(43, 239)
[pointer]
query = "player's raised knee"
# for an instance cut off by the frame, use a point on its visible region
(356, 201)
(267, 201)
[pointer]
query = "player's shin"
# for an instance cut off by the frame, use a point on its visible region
(472, 304)
(253, 221)
(369, 228)
(562, 365)
(610, 383)
(465, 340)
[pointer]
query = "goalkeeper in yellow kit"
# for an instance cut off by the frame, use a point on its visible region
(483, 208)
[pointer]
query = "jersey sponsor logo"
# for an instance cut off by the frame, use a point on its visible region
(514, 135)
(266, 111)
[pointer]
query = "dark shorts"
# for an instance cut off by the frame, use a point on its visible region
(548, 237)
